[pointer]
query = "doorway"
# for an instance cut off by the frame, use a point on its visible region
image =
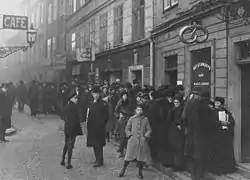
(136, 72)
(245, 110)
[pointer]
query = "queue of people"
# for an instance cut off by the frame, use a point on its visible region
(181, 132)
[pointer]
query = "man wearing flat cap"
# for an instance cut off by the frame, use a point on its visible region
(97, 118)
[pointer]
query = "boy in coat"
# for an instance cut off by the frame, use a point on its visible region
(97, 118)
(72, 128)
(138, 131)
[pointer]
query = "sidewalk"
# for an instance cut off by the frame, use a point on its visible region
(240, 175)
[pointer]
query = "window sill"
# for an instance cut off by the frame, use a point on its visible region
(170, 8)
(170, 69)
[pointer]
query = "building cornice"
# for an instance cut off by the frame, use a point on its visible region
(198, 11)
(130, 46)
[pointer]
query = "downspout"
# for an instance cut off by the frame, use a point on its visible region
(152, 62)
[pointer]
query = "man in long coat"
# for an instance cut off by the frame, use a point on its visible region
(3, 113)
(97, 118)
(198, 117)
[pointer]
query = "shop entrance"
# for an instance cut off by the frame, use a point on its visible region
(245, 104)
(136, 72)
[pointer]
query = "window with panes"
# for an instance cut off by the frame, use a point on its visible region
(138, 21)
(169, 3)
(118, 25)
(74, 5)
(55, 10)
(82, 38)
(92, 31)
(103, 31)
(73, 42)
(50, 14)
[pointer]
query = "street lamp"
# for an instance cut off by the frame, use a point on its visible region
(31, 36)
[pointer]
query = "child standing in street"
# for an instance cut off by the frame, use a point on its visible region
(72, 128)
(138, 131)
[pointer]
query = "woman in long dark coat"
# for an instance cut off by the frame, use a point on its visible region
(72, 128)
(97, 118)
(176, 133)
(223, 152)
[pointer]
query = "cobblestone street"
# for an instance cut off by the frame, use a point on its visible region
(33, 153)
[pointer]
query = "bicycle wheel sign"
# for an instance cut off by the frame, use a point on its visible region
(193, 34)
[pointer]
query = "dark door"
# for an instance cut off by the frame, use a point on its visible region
(245, 103)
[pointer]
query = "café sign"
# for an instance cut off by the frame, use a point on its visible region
(14, 22)
(201, 74)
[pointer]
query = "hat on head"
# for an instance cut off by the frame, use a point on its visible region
(72, 95)
(197, 90)
(96, 89)
(220, 99)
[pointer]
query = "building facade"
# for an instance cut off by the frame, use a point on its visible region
(220, 64)
(46, 60)
(116, 36)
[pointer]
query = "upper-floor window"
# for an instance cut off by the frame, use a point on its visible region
(62, 7)
(55, 10)
(82, 38)
(169, 3)
(50, 14)
(138, 21)
(42, 12)
(103, 31)
(73, 42)
(74, 5)
(92, 31)
(82, 2)
(49, 48)
(118, 25)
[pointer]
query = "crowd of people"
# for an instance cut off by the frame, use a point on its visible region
(189, 132)
(182, 132)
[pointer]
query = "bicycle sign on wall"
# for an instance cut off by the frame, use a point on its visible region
(193, 33)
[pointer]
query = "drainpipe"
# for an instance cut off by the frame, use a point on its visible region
(152, 62)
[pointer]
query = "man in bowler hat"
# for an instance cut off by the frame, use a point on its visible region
(97, 118)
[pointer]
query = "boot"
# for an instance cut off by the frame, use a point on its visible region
(122, 172)
(140, 175)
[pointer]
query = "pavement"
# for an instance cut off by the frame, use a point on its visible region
(34, 153)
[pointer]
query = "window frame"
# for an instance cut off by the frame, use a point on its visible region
(118, 25)
(172, 4)
(103, 25)
(50, 13)
(73, 42)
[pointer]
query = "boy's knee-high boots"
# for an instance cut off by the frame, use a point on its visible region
(125, 165)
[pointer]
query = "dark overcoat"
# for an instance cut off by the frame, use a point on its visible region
(98, 116)
(199, 129)
(175, 135)
(72, 126)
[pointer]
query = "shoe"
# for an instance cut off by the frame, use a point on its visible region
(122, 172)
(5, 141)
(69, 166)
(121, 155)
(62, 163)
(97, 165)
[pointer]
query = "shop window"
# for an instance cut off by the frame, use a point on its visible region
(244, 49)
(171, 70)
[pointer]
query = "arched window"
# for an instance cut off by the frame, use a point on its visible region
(138, 29)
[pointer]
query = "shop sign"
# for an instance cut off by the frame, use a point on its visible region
(201, 74)
(14, 22)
